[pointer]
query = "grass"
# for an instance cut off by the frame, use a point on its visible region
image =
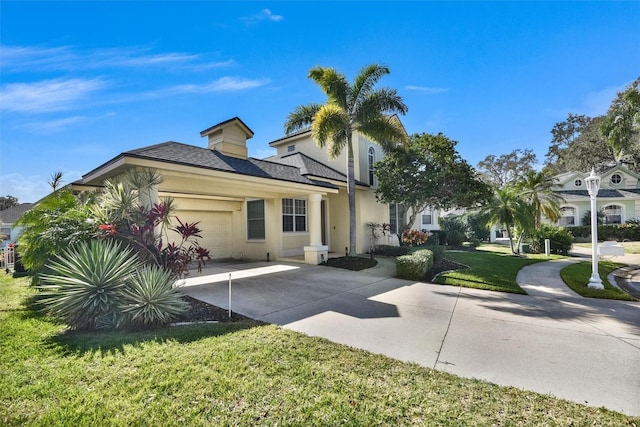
(492, 267)
(239, 374)
(577, 276)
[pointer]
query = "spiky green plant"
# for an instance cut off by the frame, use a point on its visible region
(150, 298)
(84, 286)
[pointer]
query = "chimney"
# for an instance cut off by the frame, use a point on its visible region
(229, 137)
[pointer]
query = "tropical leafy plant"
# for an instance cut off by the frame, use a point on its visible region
(537, 188)
(414, 237)
(507, 208)
(84, 286)
(350, 108)
(150, 298)
(455, 229)
(55, 223)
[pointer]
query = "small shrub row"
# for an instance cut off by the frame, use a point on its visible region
(617, 232)
(414, 266)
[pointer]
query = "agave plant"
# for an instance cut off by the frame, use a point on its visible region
(84, 286)
(150, 298)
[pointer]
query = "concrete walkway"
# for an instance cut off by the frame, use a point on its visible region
(550, 341)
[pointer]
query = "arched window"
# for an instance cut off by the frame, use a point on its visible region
(372, 160)
(567, 216)
(613, 214)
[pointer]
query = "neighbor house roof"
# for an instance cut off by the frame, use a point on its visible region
(190, 155)
(11, 215)
(602, 193)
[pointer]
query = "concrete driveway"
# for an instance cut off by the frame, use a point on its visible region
(552, 341)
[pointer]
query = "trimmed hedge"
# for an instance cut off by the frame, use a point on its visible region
(617, 232)
(560, 239)
(414, 266)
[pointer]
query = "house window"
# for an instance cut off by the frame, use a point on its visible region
(255, 219)
(372, 161)
(291, 148)
(568, 217)
(396, 217)
(427, 218)
(577, 183)
(613, 214)
(616, 178)
(294, 215)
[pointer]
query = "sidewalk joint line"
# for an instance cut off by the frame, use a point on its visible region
(446, 332)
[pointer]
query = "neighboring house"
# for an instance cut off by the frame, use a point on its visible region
(618, 197)
(8, 218)
(292, 204)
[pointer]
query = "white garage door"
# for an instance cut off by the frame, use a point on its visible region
(216, 230)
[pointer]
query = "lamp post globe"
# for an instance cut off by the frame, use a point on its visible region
(593, 185)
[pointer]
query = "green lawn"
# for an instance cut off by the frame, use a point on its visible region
(239, 374)
(577, 276)
(492, 267)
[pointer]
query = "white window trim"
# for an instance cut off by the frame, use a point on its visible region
(622, 213)
(371, 160)
(294, 215)
(576, 219)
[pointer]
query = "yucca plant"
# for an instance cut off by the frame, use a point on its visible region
(83, 288)
(150, 298)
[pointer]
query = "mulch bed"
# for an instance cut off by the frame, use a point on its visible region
(201, 311)
(352, 263)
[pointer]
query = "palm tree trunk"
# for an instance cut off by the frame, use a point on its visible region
(351, 193)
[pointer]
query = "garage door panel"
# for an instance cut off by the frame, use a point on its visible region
(216, 231)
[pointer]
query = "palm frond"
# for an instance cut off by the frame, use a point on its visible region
(331, 124)
(364, 83)
(383, 100)
(333, 84)
(300, 118)
(385, 130)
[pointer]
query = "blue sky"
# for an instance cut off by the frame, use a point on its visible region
(81, 82)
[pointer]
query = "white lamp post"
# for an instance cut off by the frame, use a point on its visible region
(593, 185)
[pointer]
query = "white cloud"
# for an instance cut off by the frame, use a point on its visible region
(223, 84)
(264, 15)
(66, 58)
(53, 126)
(47, 95)
(426, 90)
(598, 102)
(29, 189)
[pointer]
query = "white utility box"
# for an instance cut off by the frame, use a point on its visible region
(610, 248)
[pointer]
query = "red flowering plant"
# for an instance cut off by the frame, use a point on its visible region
(414, 237)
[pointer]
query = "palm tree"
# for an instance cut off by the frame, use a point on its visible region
(509, 209)
(537, 189)
(349, 108)
(56, 180)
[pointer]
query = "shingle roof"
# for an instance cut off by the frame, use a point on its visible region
(189, 155)
(311, 167)
(602, 193)
(11, 215)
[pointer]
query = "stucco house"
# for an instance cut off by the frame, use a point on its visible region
(618, 197)
(8, 218)
(293, 204)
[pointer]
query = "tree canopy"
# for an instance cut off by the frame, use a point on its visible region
(349, 108)
(498, 171)
(581, 142)
(428, 172)
(7, 201)
(621, 126)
